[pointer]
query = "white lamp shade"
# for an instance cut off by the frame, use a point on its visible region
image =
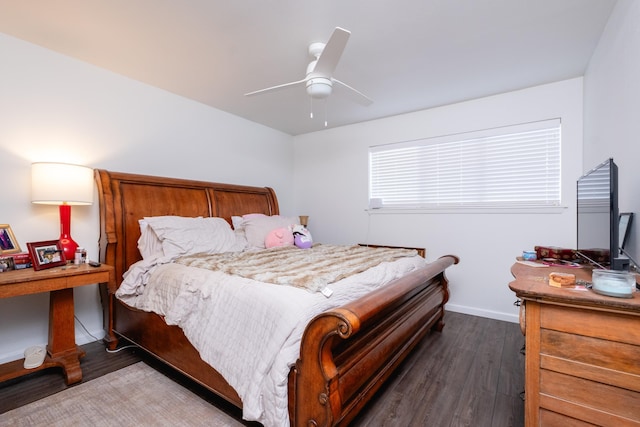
(61, 183)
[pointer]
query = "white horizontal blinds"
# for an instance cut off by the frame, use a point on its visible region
(504, 167)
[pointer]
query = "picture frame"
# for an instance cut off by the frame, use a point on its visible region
(6, 264)
(8, 242)
(46, 254)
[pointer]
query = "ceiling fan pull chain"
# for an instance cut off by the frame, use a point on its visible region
(326, 122)
(310, 107)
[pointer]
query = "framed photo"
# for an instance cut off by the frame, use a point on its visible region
(8, 242)
(46, 254)
(6, 264)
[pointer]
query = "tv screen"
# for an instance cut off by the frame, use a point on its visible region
(598, 213)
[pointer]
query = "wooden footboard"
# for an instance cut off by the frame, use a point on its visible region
(347, 353)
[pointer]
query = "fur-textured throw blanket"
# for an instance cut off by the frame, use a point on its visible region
(312, 269)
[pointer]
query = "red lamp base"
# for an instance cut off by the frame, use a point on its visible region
(68, 244)
(68, 247)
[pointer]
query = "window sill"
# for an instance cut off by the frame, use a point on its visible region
(470, 210)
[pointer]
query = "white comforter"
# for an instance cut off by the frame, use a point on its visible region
(248, 330)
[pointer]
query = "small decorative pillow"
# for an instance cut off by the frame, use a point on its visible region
(279, 237)
(257, 226)
(302, 237)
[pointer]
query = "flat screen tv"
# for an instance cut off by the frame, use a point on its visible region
(597, 205)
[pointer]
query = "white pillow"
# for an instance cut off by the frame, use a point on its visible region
(149, 245)
(241, 240)
(238, 222)
(257, 226)
(183, 235)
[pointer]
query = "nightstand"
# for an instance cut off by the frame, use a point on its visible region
(62, 350)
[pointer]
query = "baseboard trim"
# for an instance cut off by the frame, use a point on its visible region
(507, 317)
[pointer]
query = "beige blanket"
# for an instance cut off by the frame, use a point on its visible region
(312, 269)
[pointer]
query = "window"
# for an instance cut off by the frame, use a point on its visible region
(514, 166)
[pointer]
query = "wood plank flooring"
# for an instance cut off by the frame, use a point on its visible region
(471, 374)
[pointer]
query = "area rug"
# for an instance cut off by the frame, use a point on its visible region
(137, 395)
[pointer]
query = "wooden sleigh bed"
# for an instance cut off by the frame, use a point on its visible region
(346, 354)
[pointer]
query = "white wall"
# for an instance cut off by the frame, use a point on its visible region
(612, 106)
(331, 186)
(54, 108)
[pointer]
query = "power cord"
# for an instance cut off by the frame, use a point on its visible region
(634, 264)
(85, 329)
(98, 339)
(121, 348)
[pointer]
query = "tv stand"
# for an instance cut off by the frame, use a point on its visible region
(582, 362)
(621, 264)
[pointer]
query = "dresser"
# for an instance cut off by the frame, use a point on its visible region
(582, 364)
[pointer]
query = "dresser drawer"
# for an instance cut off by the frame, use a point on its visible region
(596, 359)
(590, 401)
(612, 326)
(589, 363)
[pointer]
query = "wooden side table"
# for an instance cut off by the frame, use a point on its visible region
(62, 350)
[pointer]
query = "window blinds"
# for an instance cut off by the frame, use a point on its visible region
(512, 166)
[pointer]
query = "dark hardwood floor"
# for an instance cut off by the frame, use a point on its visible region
(471, 374)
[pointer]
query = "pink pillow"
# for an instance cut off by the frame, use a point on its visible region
(257, 226)
(279, 237)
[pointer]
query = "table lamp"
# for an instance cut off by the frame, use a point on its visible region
(64, 185)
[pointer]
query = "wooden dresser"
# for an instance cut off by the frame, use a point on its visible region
(582, 352)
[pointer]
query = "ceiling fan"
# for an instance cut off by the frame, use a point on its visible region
(319, 78)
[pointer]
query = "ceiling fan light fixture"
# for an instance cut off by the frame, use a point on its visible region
(319, 87)
(319, 78)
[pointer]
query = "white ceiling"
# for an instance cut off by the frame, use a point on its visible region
(406, 55)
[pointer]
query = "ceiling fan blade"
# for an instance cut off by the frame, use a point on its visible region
(360, 97)
(273, 88)
(332, 52)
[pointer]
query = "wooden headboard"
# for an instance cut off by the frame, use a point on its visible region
(125, 198)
